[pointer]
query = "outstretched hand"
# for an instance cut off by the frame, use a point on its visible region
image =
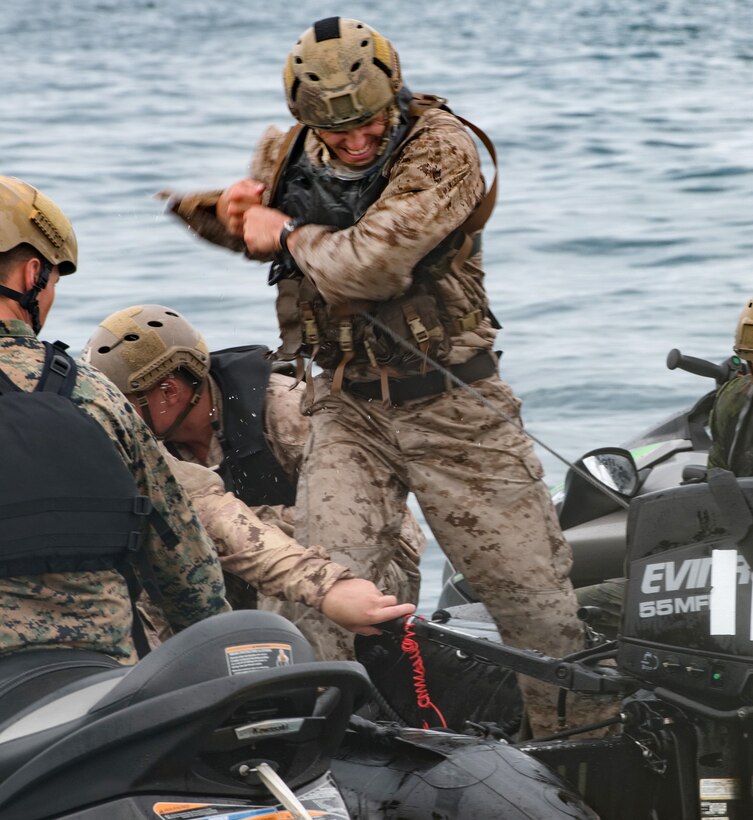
(356, 604)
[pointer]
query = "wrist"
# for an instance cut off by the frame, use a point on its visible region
(288, 227)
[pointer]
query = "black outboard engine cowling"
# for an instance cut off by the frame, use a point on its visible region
(687, 633)
(687, 622)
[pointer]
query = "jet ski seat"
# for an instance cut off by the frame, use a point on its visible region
(28, 676)
(198, 713)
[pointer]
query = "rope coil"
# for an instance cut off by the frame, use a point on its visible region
(410, 646)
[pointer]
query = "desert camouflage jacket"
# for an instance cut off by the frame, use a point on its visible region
(433, 186)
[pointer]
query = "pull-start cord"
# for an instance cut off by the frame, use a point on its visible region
(448, 374)
(410, 646)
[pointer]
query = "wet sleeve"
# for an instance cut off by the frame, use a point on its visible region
(258, 552)
(199, 210)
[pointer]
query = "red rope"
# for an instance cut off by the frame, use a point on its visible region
(410, 646)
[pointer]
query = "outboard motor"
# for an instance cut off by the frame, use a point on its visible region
(687, 633)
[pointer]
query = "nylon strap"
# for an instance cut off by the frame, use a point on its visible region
(309, 374)
(16, 295)
(480, 216)
(282, 159)
(181, 417)
(138, 634)
(59, 372)
(337, 376)
(384, 385)
(484, 209)
(55, 505)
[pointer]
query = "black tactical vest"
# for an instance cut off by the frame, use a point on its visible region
(249, 468)
(68, 502)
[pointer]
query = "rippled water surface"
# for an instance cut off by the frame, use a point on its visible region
(624, 130)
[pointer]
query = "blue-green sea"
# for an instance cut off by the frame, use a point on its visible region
(624, 129)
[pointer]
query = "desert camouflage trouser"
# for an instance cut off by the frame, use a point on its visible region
(479, 485)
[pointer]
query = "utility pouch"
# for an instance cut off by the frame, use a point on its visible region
(406, 330)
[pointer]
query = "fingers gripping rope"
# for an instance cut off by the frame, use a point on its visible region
(410, 646)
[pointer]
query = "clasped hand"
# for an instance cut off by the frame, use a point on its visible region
(241, 211)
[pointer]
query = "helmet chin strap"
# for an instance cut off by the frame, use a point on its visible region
(143, 403)
(29, 301)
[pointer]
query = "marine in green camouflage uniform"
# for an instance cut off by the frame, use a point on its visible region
(87, 610)
(470, 465)
(731, 423)
(92, 610)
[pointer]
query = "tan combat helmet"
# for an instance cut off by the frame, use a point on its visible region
(139, 346)
(744, 333)
(28, 216)
(340, 74)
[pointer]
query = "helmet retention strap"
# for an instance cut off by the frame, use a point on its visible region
(181, 416)
(29, 301)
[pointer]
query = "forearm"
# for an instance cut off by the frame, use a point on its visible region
(199, 212)
(263, 555)
(288, 572)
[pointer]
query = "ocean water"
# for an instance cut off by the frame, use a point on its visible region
(624, 130)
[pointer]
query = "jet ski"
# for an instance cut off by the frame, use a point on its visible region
(232, 719)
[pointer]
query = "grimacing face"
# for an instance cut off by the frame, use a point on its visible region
(357, 147)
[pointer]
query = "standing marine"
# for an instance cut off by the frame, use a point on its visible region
(370, 211)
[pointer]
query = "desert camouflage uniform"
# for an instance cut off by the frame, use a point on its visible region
(730, 402)
(470, 466)
(92, 610)
(259, 553)
(287, 432)
(257, 544)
